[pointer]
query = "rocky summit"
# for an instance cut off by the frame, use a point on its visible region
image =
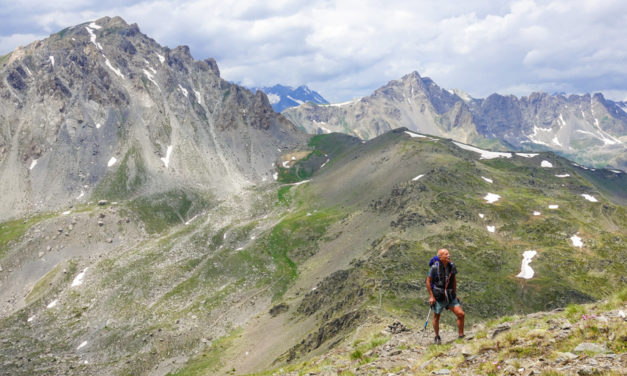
(159, 220)
(102, 108)
(586, 128)
(282, 97)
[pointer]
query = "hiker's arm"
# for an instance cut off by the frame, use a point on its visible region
(431, 297)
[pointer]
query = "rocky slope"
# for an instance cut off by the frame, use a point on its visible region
(101, 107)
(579, 340)
(589, 129)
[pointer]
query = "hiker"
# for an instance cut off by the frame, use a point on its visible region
(443, 294)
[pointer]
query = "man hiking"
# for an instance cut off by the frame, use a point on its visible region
(442, 287)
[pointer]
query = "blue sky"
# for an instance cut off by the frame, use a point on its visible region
(347, 49)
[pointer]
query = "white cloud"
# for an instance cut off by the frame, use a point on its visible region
(347, 48)
(9, 43)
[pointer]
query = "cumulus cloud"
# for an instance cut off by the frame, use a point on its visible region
(347, 48)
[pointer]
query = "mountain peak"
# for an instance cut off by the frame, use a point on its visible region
(282, 97)
(116, 103)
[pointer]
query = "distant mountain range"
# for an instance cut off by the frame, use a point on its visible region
(283, 97)
(589, 129)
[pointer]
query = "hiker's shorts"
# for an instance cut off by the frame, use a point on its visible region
(439, 306)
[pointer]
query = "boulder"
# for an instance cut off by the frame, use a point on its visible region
(591, 347)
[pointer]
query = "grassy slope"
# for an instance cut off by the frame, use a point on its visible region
(442, 210)
(362, 205)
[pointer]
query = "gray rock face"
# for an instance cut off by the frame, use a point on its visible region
(103, 103)
(588, 128)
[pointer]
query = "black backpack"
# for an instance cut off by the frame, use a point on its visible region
(441, 293)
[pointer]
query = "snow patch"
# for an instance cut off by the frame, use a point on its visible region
(183, 90)
(556, 141)
(590, 198)
(66, 212)
(98, 125)
(78, 280)
(576, 241)
(51, 60)
(198, 97)
(92, 38)
(325, 130)
(485, 154)
(286, 164)
(536, 213)
(166, 160)
(491, 198)
(527, 155)
(553, 206)
(491, 228)
(546, 164)
(487, 179)
(563, 175)
(151, 78)
(161, 58)
(526, 271)
(533, 138)
(94, 25)
(31, 318)
(273, 98)
(325, 163)
(115, 70)
(344, 103)
(52, 304)
(417, 177)
(83, 344)
(412, 134)
(481, 215)
(275, 176)
(33, 164)
(295, 100)
(81, 195)
(111, 161)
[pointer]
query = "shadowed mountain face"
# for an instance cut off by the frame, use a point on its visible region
(101, 107)
(589, 129)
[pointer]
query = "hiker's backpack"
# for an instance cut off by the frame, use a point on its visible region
(439, 293)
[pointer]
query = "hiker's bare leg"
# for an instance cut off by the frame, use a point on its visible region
(459, 312)
(436, 324)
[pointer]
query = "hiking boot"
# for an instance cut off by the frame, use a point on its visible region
(437, 340)
(461, 336)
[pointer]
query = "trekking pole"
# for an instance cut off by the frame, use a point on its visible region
(424, 330)
(429, 314)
